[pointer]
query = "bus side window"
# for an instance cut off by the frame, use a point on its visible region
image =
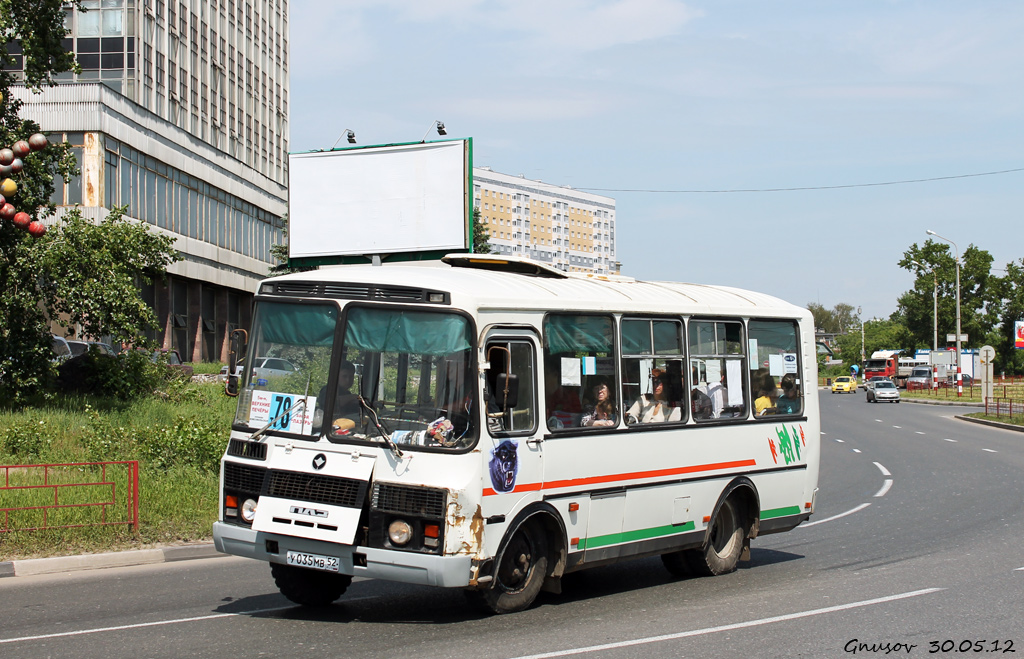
(581, 383)
(511, 395)
(717, 364)
(652, 368)
(780, 383)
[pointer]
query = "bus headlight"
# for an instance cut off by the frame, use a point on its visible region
(399, 532)
(249, 510)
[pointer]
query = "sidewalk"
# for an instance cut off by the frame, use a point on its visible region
(31, 566)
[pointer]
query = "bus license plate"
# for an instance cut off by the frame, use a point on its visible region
(315, 561)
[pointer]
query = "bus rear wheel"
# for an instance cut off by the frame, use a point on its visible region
(521, 572)
(725, 542)
(309, 587)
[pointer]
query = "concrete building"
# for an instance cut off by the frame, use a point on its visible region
(180, 113)
(567, 228)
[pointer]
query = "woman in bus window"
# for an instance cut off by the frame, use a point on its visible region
(789, 401)
(602, 413)
(654, 407)
(765, 402)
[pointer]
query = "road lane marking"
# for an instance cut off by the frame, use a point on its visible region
(829, 519)
(898, 427)
(157, 623)
(885, 488)
(878, 420)
(855, 450)
(885, 472)
(947, 439)
(725, 628)
(841, 441)
(989, 450)
(918, 432)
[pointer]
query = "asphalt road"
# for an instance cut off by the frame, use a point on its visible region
(914, 549)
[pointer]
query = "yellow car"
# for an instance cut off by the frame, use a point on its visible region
(844, 384)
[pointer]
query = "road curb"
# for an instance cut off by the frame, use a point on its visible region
(994, 424)
(32, 566)
(953, 403)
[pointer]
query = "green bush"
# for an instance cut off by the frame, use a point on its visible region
(129, 375)
(26, 440)
(190, 442)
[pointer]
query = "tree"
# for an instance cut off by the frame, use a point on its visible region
(1008, 359)
(77, 272)
(981, 299)
(834, 321)
(280, 252)
(481, 236)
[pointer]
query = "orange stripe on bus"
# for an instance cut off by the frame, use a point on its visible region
(614, 478)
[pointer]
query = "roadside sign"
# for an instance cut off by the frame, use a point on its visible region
(951, 338)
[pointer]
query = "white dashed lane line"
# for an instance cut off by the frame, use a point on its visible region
(947, 439)
(988, 450)
(881, 493)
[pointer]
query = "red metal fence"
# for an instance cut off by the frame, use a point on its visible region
(1004, 407)
(69, 495)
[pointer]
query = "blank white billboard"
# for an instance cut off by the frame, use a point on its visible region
(379, 200)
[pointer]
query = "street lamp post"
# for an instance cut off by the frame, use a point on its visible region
(959, 379)
(935, 317)
(862, 358)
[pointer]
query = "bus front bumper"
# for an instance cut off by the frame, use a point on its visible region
(406, 567)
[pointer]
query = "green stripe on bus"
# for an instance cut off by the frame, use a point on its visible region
(780, 512)
(629, 536)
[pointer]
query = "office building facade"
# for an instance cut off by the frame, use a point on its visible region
(566, 228)
(180, 113)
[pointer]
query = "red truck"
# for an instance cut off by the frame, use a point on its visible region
(884, 363)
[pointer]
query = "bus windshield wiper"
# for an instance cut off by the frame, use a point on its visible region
(383, 433)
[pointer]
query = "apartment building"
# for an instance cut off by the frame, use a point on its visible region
(569, 229)
(180, 113)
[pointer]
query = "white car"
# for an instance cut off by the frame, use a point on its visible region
(883, 390)
(263, 367)
(266, 367)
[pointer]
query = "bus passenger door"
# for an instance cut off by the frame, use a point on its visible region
(512, 435)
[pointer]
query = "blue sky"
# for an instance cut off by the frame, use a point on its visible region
(633, 95)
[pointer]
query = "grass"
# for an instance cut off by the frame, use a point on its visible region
(1016, 420)
(177, 437)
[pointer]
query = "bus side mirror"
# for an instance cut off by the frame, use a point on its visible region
(239, 341)
(510, 399)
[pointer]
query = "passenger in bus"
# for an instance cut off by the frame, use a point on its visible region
(700, 404)
(602, 412)
(789, 401)
(654, 407)
(718, 395)
(346, 404)
(767, 394)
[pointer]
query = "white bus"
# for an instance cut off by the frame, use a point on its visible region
(493, 424)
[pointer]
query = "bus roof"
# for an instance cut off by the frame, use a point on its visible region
(484, 282)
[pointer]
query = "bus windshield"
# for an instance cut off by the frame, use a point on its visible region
(288, 363)
(406, 375)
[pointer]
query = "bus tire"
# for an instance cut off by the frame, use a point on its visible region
(520, 572)
(722, 551)
(309, 587)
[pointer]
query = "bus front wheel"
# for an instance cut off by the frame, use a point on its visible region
(521, 572)
(725, 542)
(309, 587)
